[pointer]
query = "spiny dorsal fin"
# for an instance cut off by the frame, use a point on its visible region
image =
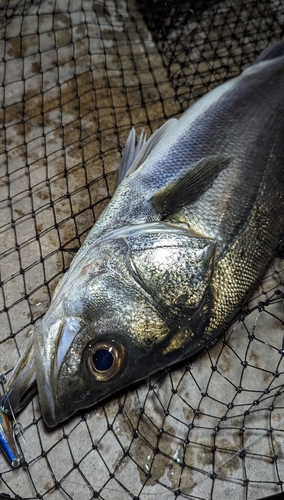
(187, 188)
(133, 157)
(131, 151)
(152, 142)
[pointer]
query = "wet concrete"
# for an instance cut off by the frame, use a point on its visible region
(75, 81)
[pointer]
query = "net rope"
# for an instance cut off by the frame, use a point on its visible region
(75, 76)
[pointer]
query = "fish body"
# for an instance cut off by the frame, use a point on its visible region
(187, 236)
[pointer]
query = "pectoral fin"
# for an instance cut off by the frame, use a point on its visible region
(190, 186)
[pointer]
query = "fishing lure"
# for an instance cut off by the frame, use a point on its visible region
(8, 444)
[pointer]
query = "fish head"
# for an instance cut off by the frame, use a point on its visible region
(118, 316)
(82, 358)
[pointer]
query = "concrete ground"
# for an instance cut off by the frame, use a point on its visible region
(75, 79)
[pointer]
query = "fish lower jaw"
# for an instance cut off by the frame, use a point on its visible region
(54, 417)
(47, 405)
(55, 411)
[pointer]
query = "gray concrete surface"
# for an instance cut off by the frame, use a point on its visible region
(64, 135)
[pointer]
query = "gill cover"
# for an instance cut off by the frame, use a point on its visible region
(174, 265)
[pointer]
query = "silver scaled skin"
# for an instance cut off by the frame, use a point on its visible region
(188, 234)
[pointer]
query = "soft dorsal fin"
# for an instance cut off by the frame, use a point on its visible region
(276, 49)
(190, 186)
(133, 156)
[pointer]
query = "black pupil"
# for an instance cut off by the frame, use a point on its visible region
(102, 359)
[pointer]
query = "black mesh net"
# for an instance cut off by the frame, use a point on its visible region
(75, 77)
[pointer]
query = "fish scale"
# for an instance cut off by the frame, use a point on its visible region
(266, 225)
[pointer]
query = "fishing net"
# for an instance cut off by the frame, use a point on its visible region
(75, 77)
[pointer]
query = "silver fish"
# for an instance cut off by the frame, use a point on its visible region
(187, 236)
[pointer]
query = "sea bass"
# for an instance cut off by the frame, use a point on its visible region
(187, 236)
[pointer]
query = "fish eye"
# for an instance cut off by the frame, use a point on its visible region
(105, 359)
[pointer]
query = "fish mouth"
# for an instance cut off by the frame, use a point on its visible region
(59, 398)
(22, 384)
